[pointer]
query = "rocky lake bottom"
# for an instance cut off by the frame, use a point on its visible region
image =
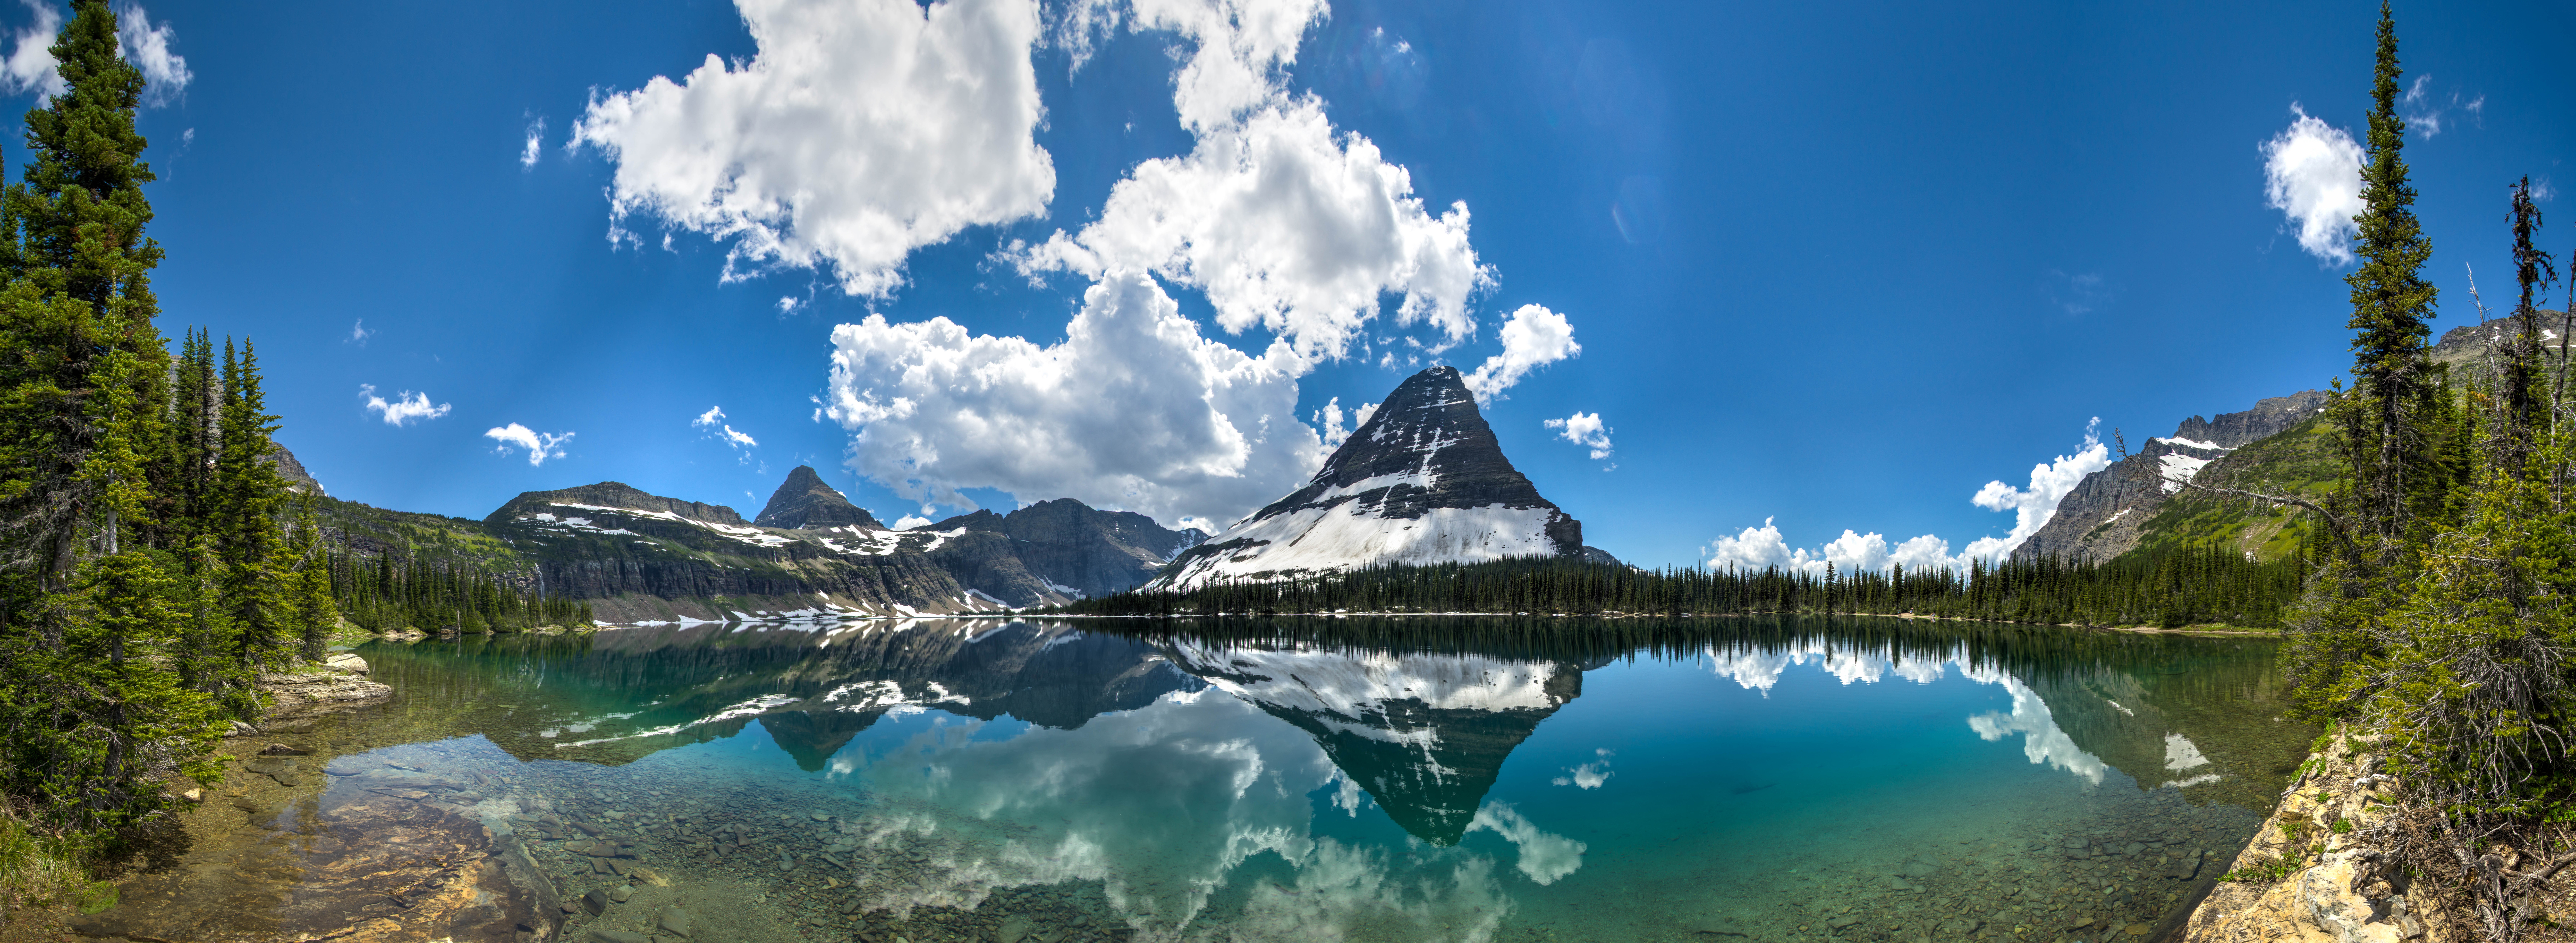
(1004, 780)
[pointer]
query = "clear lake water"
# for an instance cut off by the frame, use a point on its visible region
(1843, 779)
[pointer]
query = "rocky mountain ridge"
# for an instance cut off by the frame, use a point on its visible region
(2104, 516)
(1423, 481)
(642, 558)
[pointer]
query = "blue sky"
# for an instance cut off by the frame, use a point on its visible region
(1834, 265)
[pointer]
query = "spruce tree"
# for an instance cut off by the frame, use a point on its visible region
(249, 548)
(2394, 385)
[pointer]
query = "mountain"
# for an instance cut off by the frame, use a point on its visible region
(1424, 734)
(1423, 481)
(803, 501)
(1076, 548)
(298, 480)
(2106, 513)
(639, 557)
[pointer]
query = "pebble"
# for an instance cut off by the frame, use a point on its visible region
(618, 936)
(596, 902)
(675, 922)
(621, 893)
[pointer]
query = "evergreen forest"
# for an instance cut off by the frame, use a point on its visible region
(2192, 586)
(156, 564)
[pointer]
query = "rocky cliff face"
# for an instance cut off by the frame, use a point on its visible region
(614, 496)
(297, 479)
(1424, 481)
(1077, 549)
(2101, 518)
(804, 501)
(644, 558)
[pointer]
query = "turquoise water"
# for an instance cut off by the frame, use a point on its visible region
(1852, 779)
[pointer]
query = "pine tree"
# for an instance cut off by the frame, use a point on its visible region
(2394, 385)
(243, 518)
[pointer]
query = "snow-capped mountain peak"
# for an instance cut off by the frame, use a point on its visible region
(1424, 481)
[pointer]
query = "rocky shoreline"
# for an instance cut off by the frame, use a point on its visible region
(2331, 885)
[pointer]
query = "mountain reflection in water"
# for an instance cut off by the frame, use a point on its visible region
(1376, 779)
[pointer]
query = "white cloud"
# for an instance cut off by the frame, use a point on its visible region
(165, 73)
(1329, 421)
(533, 145)
(540, 445)
(910, 521)
(1134, 409)
(861, 130)
(1757, 548)
(30, 65)
(1545, 857)
(358, 333)
(1286, 228)
(713, 421)
(1591, 775)
(1532, 338)
(1282, 221)
(1584, 429)
(405, 407)
(2425, 112)
(2049, 483)
(2312, 173)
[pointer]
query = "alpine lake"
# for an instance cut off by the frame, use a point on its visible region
(1416, 778)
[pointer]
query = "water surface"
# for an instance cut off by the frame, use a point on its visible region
(1473, 779)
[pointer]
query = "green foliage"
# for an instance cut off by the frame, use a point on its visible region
(2266, 869)
(2187, 588)
(384, 594)
(37, 869)
(141, 578)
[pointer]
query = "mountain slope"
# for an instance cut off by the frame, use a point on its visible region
(639, 557)
(803, 501)
(1423, 481)
(2103, 517)
(1076, 548)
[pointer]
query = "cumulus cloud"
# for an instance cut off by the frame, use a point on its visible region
(1545, 857)
(1534, 337)
(910, 521)
(30, 65)
(165, 73)
(1282, 221)
(1591, 775)
(1134, 409)
(1584, 429)
(713, 421)
(1328, 421)
(405, 407)
(1286, 227)
(861, 130)
(540, 445)
(1757, 548)
(533, 144)
(2312, 174)
(2049, 483)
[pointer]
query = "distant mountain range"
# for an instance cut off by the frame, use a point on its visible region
(1422, 481)
(642, 558)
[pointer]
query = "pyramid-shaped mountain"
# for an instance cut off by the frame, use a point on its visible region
(1423, 481)
(804, 502)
